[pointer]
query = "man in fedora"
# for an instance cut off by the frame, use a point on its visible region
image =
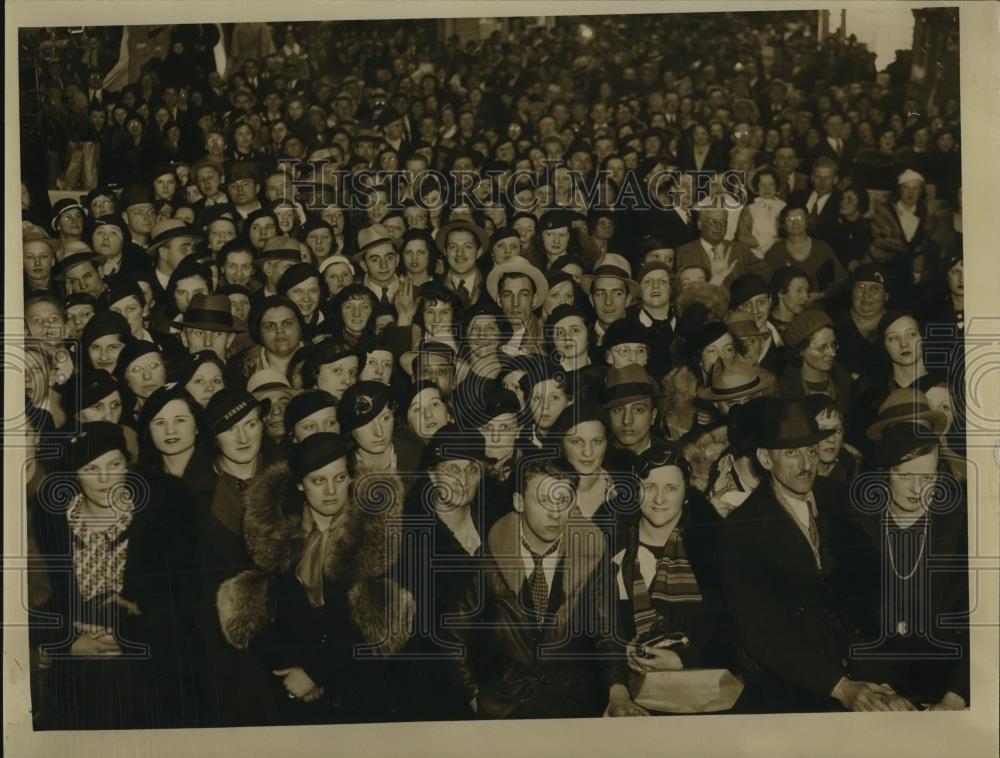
(520, 289)
(172, 241)
(611, 290)
(243, 188)
(462, 242)
(79, 272)
(785, 564)
(629, 397)
(208, 324)
(280, 254)
(139, 213)
(378, 257)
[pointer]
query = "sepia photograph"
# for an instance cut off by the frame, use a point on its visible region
(411, 376)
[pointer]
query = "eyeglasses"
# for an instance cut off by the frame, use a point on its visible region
(137, 369)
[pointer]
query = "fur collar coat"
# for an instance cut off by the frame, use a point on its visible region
(358, 555)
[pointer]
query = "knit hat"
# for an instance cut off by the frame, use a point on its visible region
(94, 440)
(315, 452)
(805, 325)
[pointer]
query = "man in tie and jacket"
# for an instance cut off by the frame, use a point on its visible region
(724, 260)
(822, 202)
(787, 562)
(462, 243)
(538, 633)
(379, 259)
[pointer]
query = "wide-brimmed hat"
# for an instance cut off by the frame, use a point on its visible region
(907, 404)
(371, 237)
(280, 248)
(615, 267)
(628, 384)
(788, 424)
(210, 312)
(518, 265)
(169, 229)
(733, 382)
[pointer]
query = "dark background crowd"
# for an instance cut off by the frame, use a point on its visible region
(703, 303)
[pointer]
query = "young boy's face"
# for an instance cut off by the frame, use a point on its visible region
(545, 507)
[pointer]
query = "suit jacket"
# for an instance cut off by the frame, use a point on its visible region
(844, 161)
(669, 225)
(693, 254)
(801, 183)
(518, 669)
(791, 618)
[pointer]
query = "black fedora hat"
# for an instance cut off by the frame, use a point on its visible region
(789, 424)
(210, 312)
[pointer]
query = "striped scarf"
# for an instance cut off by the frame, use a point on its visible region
(673, 582)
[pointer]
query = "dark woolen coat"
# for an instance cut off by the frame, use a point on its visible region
(265, 610)
(233, 689)
(793, 621)
(150, 685)
(927, 663)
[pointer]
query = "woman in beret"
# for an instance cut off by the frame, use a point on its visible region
(321, 583)
(117, 552)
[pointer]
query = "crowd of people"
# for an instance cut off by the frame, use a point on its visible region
(382, 378)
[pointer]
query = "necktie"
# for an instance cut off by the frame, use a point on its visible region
(537, 584)
(814, 210)
(717, 254)
(385, 296)
(813, 531)
(463, 293)
(309, 572)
